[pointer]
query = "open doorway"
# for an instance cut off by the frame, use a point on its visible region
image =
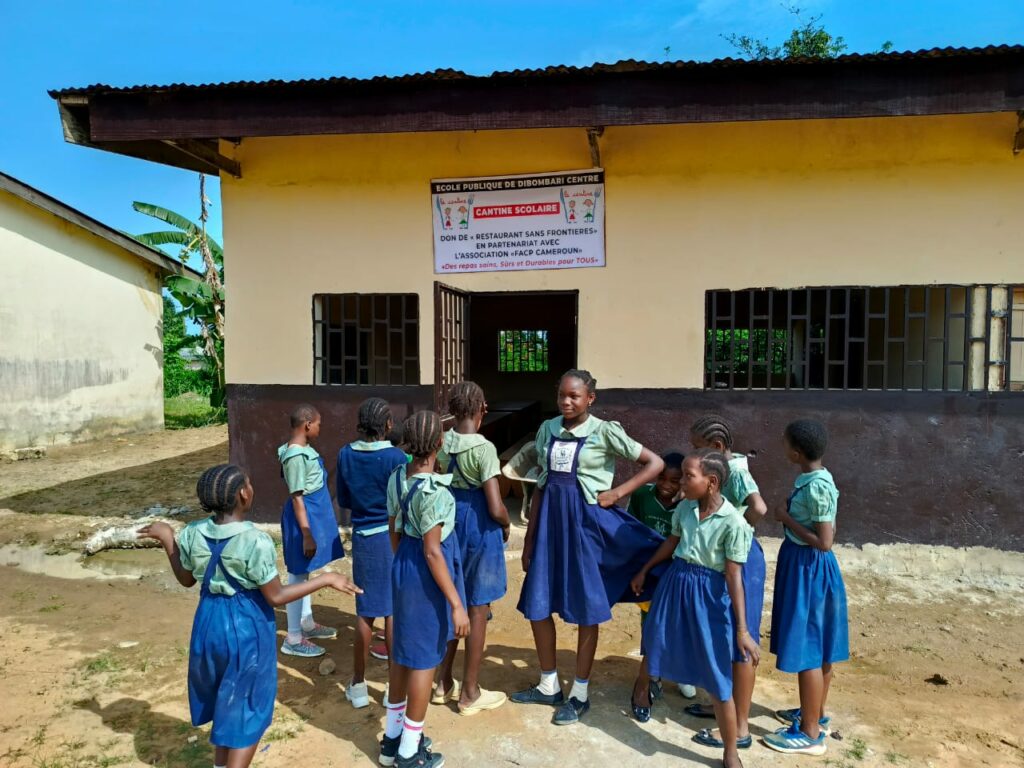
(513, 344)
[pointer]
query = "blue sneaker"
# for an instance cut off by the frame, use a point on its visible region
(571, 711)
(303, 648)
(320, 632)
(389, 749)
(534, 696)
(790, 716)
(795, 742)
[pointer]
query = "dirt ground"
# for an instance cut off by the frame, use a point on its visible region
(93, 651)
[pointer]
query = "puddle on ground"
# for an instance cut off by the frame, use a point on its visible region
(113, 564)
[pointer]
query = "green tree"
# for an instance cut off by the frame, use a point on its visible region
(809, 39)
(179, 378)
(202, 301)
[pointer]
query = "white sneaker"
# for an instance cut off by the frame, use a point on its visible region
(688, 691)
(358, 694)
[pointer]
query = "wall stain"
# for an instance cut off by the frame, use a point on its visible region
(50, 379)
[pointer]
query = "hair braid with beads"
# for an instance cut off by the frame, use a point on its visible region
(465, 400)
(218, 488)
(373, 418)
(423, 433)
(713, 427)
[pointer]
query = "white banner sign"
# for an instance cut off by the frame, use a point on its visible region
(500, 223)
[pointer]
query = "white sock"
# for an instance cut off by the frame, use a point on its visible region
(579, 690)
(412, 732)
(307, 622)
(294, 610)
(394, 718)
(549, 683)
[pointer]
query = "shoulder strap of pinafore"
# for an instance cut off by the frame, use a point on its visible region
(404, 501)
(216, 551)
(793, 495)
(455, 469)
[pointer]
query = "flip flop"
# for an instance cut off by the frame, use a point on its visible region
(696, 710)
(705, 737)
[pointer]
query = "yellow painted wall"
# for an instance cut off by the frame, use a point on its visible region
(884, 201)
(80, 341)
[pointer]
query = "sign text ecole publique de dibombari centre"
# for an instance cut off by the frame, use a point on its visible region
(502, 223)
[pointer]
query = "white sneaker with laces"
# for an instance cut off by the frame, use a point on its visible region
(358, 694)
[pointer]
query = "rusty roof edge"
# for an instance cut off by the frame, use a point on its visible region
(624, 66)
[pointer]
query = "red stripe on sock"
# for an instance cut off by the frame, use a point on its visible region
(412, 727)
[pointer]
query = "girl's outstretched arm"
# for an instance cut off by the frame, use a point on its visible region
(661, 554)
(820, 537)
(495, 506)
(734, 583)
(278, 594)
(439, 570)
(163, 533)
(650, 467)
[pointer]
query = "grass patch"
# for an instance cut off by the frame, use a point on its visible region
(192, 410)
(896, 758)
(102, 664)
(858, 749)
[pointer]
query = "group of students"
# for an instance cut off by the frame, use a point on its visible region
(434, 576)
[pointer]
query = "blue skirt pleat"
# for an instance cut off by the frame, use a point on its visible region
(688, 634)
(753, 589)
(232, 667)
(322, 524)
(584, 557)
(809, 619)
(422, 617)
(482, 547)
(371, 570)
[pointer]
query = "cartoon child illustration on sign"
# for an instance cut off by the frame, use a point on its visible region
(589, 215)
(463, 217)
(572, 210)
(448, 217)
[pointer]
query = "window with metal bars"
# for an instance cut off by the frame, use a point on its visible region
(919, 337)
(366, 339)
(522, 351)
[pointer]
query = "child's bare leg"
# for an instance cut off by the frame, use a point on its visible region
(826, 674)
(586, 649)
(812, 686)
(389, 632)
(220, 756)
(743, 677)
(240, 758)
(420, 683)
(445, 670)
(474, 653)
(398, 683)
(642, 686)
(361, 648)
(725, 715)
(544, 640)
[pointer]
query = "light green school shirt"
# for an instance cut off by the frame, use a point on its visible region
(431, 505)
(249, 557)
(815, 500)
(478, 459)
(301, 467)
(605, 441)
(722, 535)
(740, 483)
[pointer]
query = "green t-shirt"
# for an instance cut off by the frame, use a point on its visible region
(249, 557)
(645, 507)
(740, 484)
(478, 459)
(722, 535)
(815, 500)
(431, 505)
(300, 465)
(606, 441)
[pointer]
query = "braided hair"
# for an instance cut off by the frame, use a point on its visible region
(465, 400)
(373, 418)
(585, 376)
(218, 488)
(713, 427)
(423, 433)
(808, 436)
(713, 462)
(302, 414)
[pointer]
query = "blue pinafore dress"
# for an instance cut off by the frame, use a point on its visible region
(322, 525)
(232, 660)
(481, 542)
(584, 555)
(809, 619)
(423, 623)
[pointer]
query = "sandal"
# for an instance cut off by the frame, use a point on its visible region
(697, 710)
(706, 737)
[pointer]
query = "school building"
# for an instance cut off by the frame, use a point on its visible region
(839, 239)
(81, 342)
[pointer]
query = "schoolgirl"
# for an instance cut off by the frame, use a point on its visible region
(696, 627)
(810, 631)
(364, 468)
(581, 548)
(232, 664)
(309, 529)
(427, 592)
(482, 527)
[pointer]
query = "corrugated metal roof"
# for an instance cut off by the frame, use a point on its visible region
(624, 66)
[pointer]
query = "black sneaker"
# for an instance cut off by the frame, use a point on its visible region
(571, 711)
(389, 749)
(423, 758)
(534, 696)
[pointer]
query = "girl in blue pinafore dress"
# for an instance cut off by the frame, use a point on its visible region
(427, 592)
(482, 525)
(696, 629)
(309, 529)
(809, 621)
(232, 664)
(364, 469)
(713, 432)
(581, 548)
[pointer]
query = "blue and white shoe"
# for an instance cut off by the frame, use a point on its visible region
(303, 649)
(795, 742)
(790, 716)
(320, 632)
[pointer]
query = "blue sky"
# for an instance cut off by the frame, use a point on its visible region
(56, 44)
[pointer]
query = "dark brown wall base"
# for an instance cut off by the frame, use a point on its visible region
(928, 468)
